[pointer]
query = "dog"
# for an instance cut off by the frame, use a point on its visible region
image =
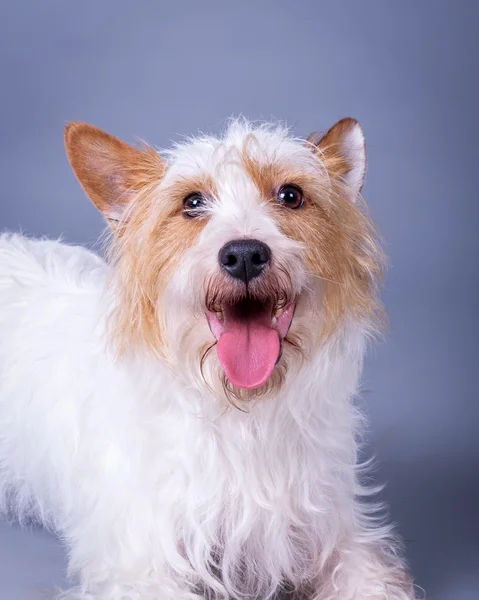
(181, 413)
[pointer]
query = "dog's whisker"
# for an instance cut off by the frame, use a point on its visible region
(316, 276)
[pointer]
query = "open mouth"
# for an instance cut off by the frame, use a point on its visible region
(250, 334)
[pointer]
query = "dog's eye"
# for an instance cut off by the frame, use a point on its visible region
(290, 196)
(193, 205)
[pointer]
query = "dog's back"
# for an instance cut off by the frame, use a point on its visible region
(43, 288)
(49, 299)
(36, 263)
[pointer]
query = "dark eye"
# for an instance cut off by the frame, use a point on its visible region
(290, 196)
(193, 205)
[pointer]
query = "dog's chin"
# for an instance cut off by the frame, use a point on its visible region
(250, 335)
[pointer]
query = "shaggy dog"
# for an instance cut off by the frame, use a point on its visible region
(182, 414)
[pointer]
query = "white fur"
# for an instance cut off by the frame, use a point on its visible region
(128, 464)
(354, 148)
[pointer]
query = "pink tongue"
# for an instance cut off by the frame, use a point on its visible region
(248, 348)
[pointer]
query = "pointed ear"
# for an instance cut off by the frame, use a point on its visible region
(110, 171)
(343, 151)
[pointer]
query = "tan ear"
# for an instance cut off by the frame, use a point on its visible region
(110, 171)
(343, 150)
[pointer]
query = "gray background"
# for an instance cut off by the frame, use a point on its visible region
(408, 71)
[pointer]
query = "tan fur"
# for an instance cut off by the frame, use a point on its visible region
(150, 236)
(342, 253)
(342, 249)
(331, 150)
(110, 171)
(146, 254)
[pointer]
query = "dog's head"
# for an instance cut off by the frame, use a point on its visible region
(235, 258)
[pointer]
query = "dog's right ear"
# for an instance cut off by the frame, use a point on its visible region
(343, 151)
(110, 171)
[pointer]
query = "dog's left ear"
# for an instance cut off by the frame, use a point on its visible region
(343, 151)
(110, 171)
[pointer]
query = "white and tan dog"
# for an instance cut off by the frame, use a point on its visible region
(182, 414)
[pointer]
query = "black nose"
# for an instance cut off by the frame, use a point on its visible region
(244, 259)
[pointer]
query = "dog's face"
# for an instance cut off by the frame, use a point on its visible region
(236, 257)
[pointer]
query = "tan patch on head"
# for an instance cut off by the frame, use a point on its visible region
(152, 244)
(150, 233)
(340, 240)
(342, 252)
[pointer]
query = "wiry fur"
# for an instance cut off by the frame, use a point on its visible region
(115, 426)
